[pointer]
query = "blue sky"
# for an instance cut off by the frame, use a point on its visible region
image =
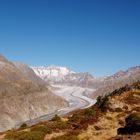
(96, 36)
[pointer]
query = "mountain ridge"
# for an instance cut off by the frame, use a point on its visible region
(61, 75)
(23, 95)
(102, 85)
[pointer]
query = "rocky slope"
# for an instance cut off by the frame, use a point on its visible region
(121, 109)
(114, 117)
(30, 74)
(116, 81)
(23, 95)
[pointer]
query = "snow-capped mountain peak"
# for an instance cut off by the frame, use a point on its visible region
(55, 70)
(52, 71)
(55, 75)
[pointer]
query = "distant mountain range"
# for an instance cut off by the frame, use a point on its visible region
(63, 76)
(56, 75)
(118, 80)
(52, 74)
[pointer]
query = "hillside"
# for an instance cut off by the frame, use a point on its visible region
(116, 113)
(110, 83)
(23, 95)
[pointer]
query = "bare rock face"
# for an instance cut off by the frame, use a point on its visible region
(30, 74)
(23, 95)
(117, 80)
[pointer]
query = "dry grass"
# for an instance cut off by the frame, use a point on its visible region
(108, 125)
(111, 121)
(2, 136)
(50, 136)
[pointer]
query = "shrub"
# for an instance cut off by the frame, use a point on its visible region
(76, 118)
(99, 101)
(132, 124)
(102, 103)
(125, 107)
(42, 128)
(60, 125)
(76, 126)
(118, 109)
(97, 127)
(24, 125)
(88, 121)
(133, 119)
(88, 112)
(56, 118)
(85, 117)
(125, 130)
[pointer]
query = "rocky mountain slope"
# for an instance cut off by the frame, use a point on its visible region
(113, 117)
(23, 95)
(30, 74)
(117, 80)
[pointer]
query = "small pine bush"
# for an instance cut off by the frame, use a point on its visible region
(24, 125)
(56, 118)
